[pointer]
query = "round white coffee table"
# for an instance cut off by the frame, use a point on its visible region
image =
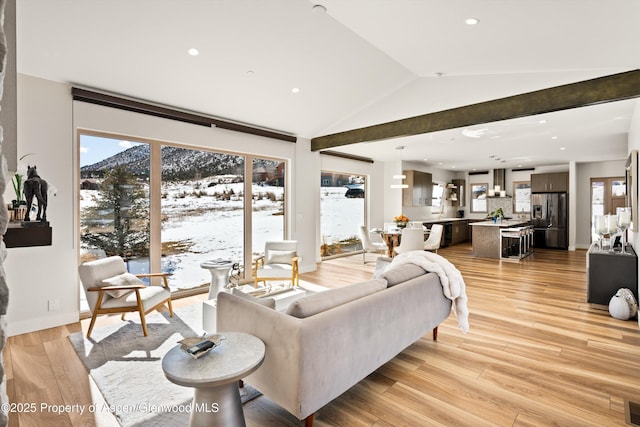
(214, 376)
(219, 275)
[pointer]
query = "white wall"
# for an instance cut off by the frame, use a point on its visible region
(39, 274)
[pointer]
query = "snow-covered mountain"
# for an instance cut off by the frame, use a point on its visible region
(177, 163)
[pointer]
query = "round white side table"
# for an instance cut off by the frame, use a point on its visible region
(219, 275)
(214, 376)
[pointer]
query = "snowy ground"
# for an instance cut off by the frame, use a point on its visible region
(194, 214)
(340, 217)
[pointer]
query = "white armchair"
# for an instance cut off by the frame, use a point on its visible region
(279, 262)
(368, 245)
(111, 289)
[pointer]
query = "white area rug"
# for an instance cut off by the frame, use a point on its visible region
(127, 368)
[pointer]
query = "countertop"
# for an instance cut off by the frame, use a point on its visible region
(436, 220)
(503, 223)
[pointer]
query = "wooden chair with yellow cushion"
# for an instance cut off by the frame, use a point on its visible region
(111, 289)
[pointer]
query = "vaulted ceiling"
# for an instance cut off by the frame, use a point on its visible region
(354, 63)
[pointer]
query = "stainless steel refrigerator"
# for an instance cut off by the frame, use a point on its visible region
(549, 217)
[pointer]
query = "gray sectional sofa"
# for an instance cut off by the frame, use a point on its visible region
(329, 341)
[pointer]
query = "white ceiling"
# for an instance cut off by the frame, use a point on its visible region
(363, 62)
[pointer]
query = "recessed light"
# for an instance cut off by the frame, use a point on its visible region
(295, 90)
(471, 21)
(193, 51)
(542, 121)
(554, 137)
(453, 167)
(440, 163)
(563, 148)
(250, 73)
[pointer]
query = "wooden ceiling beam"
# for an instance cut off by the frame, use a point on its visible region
(616, 87)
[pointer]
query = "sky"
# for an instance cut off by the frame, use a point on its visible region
(96, 148)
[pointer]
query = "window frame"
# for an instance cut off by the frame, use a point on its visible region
(515, 198)
(155, 181)
(472, 197)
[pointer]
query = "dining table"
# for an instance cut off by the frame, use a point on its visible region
(392, 238)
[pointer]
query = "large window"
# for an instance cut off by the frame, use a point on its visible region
(170, 208)
(342, 212)
(114, 200)
(437, 199)
(521, 197)
(268, 202)
(202, 211)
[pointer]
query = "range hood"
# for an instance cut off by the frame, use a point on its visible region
(499, 178)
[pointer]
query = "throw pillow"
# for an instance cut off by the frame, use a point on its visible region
(124, 279)
(280, 257)
(267, 302)
(322, 301)
(402, 273)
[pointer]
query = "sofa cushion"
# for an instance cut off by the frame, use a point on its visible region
(267, 302)
(381, 264)
(402, 273)
(321, 301)
(124, 279)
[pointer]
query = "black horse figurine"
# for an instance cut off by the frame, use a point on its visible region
(35, 186)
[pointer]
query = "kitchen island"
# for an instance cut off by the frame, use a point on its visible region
(486, 236)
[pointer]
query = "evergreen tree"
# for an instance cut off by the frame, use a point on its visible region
(123, 209)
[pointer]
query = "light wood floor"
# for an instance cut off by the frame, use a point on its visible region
(536, 355)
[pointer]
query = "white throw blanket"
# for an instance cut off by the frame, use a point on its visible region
(450, 277)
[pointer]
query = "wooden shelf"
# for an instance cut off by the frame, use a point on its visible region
(18, 236)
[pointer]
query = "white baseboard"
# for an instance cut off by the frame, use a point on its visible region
(31, 325)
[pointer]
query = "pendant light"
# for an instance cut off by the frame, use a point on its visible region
(400, 177)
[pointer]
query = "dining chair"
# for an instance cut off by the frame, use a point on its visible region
(435, 236)
(411, 239)
(369, 245)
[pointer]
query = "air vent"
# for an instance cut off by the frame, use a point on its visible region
(632, 412)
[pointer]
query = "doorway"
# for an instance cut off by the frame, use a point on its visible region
(607, 194)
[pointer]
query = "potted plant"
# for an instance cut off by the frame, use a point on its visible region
(401, 221)
(497, 215)
(18, 183)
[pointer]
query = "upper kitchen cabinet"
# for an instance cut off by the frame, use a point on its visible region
(556, 182)
(420, 188)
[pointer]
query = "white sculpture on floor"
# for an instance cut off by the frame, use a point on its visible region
(623, 305)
